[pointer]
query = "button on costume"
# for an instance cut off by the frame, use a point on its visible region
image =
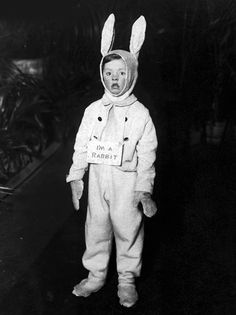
(115, 127)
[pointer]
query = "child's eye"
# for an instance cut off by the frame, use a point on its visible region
(107, 73)
(123, 73)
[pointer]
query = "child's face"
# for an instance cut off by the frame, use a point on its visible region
(114, 75)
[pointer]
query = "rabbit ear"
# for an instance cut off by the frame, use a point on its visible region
(108, 35)
(137, 35)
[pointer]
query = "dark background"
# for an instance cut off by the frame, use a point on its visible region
(187, 80)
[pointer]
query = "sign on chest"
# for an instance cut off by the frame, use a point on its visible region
(104, 152)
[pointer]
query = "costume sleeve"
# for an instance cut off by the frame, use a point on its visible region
(80, 165)
(146, 151)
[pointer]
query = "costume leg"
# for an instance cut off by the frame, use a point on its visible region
(98, 229)
(127, 226)
(98, 234)
(128, 230)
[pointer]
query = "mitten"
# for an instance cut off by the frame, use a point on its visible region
(77, 187)
(149, 206)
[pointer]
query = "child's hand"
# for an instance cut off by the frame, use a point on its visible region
(77, 187)
(149, 206)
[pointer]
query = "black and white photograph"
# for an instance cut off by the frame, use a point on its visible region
(118, 157)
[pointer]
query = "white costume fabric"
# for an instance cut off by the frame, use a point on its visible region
(111, 207)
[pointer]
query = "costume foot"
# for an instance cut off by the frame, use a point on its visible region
(127, 294)
(87, 286)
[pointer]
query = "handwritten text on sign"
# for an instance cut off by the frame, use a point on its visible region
(104, 152)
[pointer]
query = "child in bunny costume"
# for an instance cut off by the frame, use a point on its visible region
(117, 140)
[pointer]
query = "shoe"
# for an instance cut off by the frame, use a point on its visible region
(127, 294)
(87, 286)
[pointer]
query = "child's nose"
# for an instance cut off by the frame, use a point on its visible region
(115, 76)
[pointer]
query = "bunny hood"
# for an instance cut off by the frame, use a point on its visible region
(131, 64)
(130, 57)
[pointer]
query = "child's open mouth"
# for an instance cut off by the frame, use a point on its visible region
(115, 86)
